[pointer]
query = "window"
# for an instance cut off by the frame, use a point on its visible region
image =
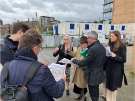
(99, 27)
(112, 27)
(72, 26)
(56, 30)
(123, 28)
(108, 7)
(86, 26)
(107, 1)
(108, 16)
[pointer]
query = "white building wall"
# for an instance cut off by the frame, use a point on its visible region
(79, 28)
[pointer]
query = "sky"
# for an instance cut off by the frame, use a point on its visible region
(63, 10)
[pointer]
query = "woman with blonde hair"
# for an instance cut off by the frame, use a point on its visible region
(65, 50)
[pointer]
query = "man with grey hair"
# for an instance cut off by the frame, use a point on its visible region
(94, 63)
(92, 37)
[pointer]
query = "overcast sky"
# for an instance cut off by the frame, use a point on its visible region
(63, 10)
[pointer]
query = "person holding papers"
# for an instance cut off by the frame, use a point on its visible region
(114, 65)
(94, 63)
(42, 86)
(65, 50)
(79, 79)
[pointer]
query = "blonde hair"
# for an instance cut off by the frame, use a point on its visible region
(67, 36)
(69, 39)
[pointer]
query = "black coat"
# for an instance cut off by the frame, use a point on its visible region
(8, 50)
(115, 69)
(62, 54)
(94, 63)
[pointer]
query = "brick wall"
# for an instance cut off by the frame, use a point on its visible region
(123, 11)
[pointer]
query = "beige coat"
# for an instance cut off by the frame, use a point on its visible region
(79, 77)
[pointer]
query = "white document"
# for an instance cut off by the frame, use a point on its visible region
(57, 70)
(108, 51)
(1, 67)
(66, 61)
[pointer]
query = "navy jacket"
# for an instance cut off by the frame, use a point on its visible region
(43, 86)
(8, 50)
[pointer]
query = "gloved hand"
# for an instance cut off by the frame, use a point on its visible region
(75, 61)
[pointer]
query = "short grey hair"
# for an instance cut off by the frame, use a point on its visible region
(93, 34)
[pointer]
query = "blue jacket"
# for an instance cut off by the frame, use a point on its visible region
(8, 50)
(43, 86)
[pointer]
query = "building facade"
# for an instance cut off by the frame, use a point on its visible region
(47, 23)
(123, 11)
(5, 29)
(107, 10)
(81, 28)
(120, 12)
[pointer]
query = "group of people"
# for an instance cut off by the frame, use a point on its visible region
(94, 64)
(90, 61)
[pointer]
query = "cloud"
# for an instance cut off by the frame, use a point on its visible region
(73, 10)
(21, 5)
(5, 7)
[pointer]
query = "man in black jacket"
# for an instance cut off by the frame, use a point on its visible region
(94, 64)
(8, 49)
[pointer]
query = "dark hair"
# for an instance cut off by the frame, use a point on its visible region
(118, 43)
(19, 26)
(30, 39)
(83, 40)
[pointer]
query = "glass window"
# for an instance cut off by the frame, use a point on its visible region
(108, 7)
(86, 26)
(99, 27)
(56, 30)
(108, 16)
(72, 26)
(112, 27)
(123, 28)
(107, 1)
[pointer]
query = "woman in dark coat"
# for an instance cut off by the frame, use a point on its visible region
(65, 50)
(115, 66)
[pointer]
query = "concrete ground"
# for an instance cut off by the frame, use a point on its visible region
(126, 93)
